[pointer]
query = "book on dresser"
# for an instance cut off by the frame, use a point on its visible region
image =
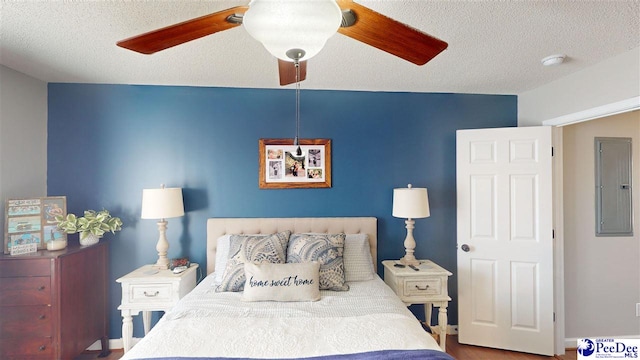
(54, 304)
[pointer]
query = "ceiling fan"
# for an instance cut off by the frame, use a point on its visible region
(296, 30)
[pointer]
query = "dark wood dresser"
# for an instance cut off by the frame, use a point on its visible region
(53, 304)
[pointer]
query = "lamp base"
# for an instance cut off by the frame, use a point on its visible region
(157, 266)
(409, 245)
(409, 260)
(162, 246)
(161, 266)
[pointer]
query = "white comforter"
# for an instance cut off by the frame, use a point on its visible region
(368, 317)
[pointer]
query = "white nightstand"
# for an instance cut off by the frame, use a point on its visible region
(426, 286)
(148, 293)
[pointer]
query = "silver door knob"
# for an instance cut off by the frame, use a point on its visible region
(465, 247)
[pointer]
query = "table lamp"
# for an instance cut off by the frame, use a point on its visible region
(410, 203)
(163, 203)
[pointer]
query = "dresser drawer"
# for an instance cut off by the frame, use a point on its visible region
(421, 287)
(16, 321)
(25, 267)
(26, 348)
(25, 291)
(158, 292)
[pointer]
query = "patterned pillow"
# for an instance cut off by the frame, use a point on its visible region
(222, 254)
(326, 249)
(256, 249)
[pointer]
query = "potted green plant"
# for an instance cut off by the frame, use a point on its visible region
(91, 227)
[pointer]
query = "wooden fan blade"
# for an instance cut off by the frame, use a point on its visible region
(389, 35)
(287, 70)
(161, 39)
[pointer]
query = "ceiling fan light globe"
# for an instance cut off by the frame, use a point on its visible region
(282, 25)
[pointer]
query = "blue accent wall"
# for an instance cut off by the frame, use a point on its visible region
(108, 142)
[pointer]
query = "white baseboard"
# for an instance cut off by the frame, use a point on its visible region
(113, 344)
(452, 329)
(572, 343)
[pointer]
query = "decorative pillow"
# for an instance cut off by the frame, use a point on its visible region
(282, 282)
(257, 249)
(358, 265)
(222, 254)
(327, 249)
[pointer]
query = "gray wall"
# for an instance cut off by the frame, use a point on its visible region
(612, 80)
(23, 137)
(602, 274)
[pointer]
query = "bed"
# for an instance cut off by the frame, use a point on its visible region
(366, 322)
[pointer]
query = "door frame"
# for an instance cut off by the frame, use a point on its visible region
(594, 113)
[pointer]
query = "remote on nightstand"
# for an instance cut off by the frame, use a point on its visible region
(179, 269)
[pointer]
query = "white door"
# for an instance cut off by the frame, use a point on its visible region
(505, 242)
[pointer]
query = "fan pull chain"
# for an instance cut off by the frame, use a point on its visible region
(296, 55)
(297, 65)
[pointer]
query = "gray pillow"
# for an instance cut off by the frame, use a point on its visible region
(358, 265)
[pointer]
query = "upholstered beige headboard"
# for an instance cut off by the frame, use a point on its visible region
(217, 227)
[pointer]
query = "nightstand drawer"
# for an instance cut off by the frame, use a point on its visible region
(422, 287)
(146, 293)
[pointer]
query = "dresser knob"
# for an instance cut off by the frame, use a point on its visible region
(422, 288)
(151, 295)
(42, 348)
(41, 317)
(41, 287)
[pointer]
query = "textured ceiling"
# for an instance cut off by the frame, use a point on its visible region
(495, 47)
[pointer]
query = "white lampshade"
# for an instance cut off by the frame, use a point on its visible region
(410, 203)
(162, 203)
(282, 25)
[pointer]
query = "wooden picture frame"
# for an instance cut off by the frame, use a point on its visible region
(32, 221)
(281, 168)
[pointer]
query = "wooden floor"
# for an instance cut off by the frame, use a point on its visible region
(468, 352)
(458, 351)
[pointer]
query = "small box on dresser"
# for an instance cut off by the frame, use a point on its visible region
(53, 304)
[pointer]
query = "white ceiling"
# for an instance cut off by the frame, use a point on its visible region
(495, 47)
